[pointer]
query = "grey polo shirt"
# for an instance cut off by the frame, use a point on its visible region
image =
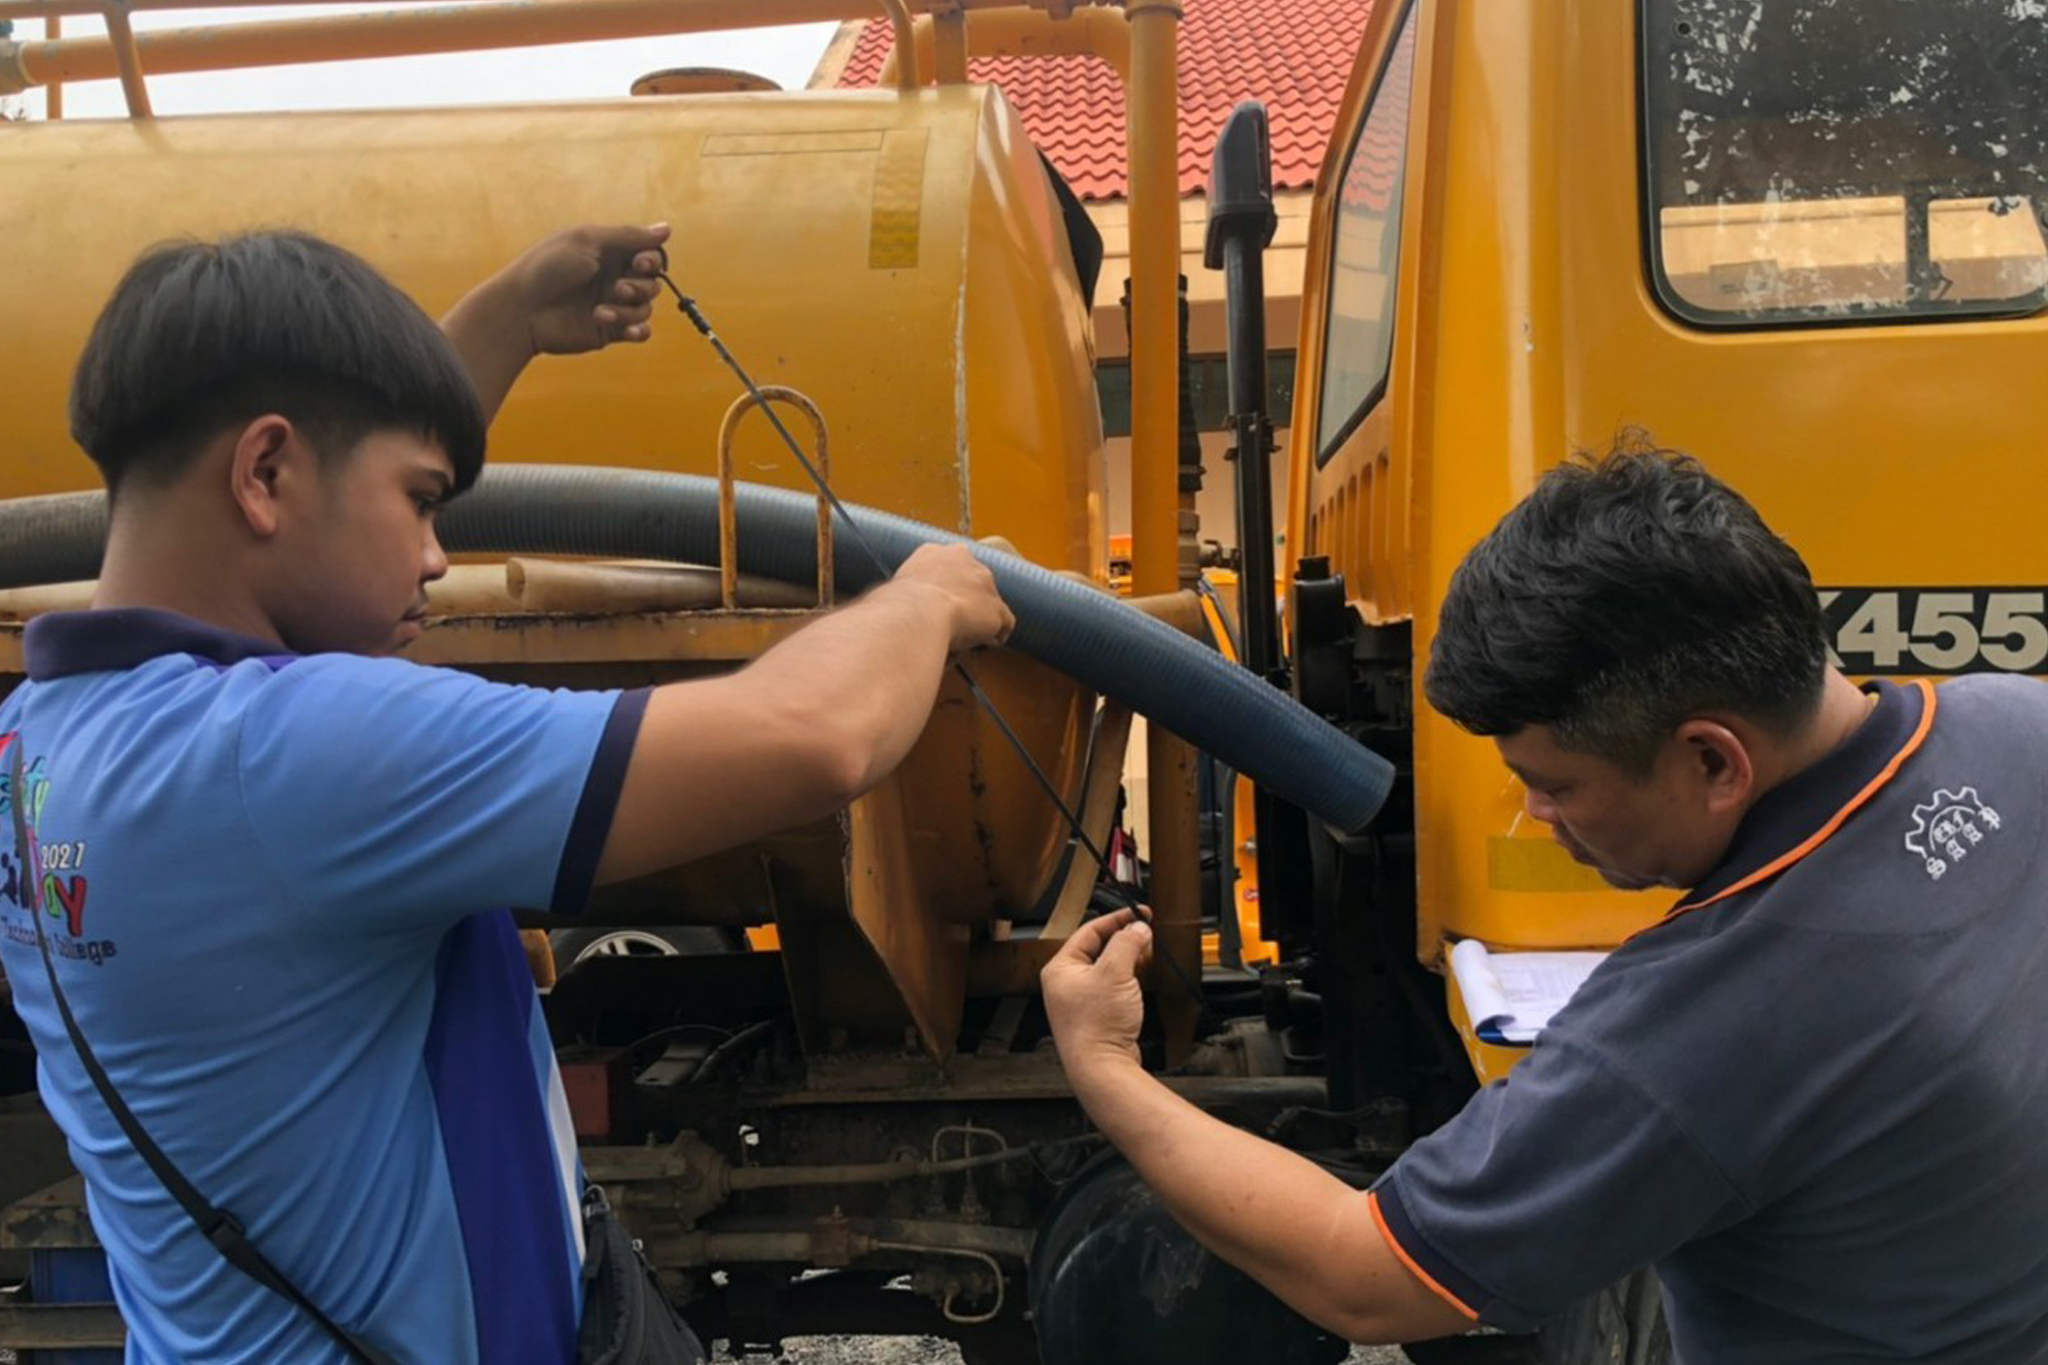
(1815, 1097)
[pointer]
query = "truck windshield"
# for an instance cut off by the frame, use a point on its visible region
(1846, 160)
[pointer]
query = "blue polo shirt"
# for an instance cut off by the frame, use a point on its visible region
(277, 891)
(1815, 1096)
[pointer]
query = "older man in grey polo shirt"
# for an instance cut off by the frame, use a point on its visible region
(1815, 1097)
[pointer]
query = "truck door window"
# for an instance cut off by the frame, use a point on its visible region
(1358, 334)
(1845, 160)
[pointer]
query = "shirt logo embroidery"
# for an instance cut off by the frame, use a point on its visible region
(1948, 827)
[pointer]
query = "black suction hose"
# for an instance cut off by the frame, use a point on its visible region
(1092, 637)
(54, 539)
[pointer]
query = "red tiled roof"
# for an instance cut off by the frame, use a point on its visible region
(1295, 56)
(1373, 178)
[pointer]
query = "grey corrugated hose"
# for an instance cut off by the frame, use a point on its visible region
(1154, 669)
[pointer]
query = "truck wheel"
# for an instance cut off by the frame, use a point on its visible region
(1115, 1281)
(1621, 1325)
(572, 946)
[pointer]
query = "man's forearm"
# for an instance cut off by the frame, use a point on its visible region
(805, 728)
(873, 670)
(489, 331)
(792, 737)
(1304, 1234)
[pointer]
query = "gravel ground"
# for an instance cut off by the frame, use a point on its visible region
(919, 1351)
(933, 1351)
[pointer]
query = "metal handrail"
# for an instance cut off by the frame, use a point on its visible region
(728, 517)
(403, 28)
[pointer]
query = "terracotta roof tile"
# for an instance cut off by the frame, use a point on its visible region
(1371, 181)
(1295, 56)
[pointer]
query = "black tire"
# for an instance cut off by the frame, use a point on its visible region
(1115, 1280)
(1621, 1325)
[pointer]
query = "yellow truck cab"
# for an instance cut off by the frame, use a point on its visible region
(1804, 242)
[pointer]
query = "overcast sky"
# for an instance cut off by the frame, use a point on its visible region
(572, 71)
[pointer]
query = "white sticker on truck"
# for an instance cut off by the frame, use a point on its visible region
(1905, 631)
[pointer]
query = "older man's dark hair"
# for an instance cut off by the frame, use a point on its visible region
(201, 336)
(1628, 592)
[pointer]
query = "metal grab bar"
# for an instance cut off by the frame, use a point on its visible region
(728, 516)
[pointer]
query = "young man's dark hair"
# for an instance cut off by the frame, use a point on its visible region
(199, 337)
(1629, 591)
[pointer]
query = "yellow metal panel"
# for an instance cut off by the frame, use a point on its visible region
(401, 30)
(1352, 507)
(718, 637)
(790, 144)
(887, 896)
(1536, 864)
(1032, 420)
(780, 207)
(1155, 246)
(898, 201)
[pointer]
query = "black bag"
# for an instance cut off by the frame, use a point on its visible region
(626, 1318)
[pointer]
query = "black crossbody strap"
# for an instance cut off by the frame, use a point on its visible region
(217, 1225)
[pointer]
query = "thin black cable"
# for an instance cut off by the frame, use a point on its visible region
(726, 1049)
(688, 306)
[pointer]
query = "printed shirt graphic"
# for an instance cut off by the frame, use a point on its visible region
(275, 890)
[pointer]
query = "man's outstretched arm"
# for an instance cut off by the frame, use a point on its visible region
(579, 290)
(805, 728)
(1286, 1222)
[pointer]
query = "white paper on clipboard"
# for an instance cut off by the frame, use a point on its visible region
(1510, 997)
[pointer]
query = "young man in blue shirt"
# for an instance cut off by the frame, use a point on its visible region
(276, 862)
(1812, 1096)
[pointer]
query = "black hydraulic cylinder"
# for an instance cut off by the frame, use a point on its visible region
(1241, 225)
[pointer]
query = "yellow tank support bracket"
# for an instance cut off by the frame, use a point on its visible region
(728, 516)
